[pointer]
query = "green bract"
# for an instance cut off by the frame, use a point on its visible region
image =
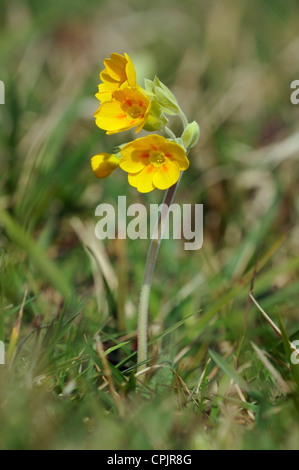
(166, 98)
(190, 135)
(156, 119)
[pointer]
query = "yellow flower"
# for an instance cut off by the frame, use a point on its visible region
(153, 162)
(119, 72)
(103, 164)
(128, 108)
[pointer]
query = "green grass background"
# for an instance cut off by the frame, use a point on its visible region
(230, 64)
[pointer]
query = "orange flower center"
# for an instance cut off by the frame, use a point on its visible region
(157, 159)
(135, 111)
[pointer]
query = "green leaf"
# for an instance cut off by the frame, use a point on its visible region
(117, 346)
(36, 254)
(229, 370)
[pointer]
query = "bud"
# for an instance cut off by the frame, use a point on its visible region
(180, 142)
(149, 87)
(103, 164)
(166, 98)
(191, 134)
(156, 119)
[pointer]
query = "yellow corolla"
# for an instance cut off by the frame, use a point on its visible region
(128, 108)
(153, 162)
(103, 164)
(119, 71)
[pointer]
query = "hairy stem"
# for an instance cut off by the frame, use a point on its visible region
(2, 265)
(184, 118)
(170, 133)
(148, 275)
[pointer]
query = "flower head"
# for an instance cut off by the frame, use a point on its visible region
(128, 108)
(103, 164)
(119, 71)
(153, 162)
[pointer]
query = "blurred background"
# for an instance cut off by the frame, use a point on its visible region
(230, 64)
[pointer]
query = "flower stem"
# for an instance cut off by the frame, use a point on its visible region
(156, 238)
(170, 133)
(184, 118)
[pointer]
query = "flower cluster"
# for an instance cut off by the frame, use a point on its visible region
(152, 161)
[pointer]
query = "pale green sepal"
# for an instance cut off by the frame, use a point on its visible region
(166, 98)
(149, 86)
(156, 119)
(191, 135)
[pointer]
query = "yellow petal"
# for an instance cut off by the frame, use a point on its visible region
(134, 161)
(111, 117)
(116, 67)
(143, 122)
(105, 91)
(176, 153)
(127, 108)
(130, 72)
(103, 96)
(143, 180)
(166, 175)
(148, 143)
(107, 79)
(103, 164)
(119, 73)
